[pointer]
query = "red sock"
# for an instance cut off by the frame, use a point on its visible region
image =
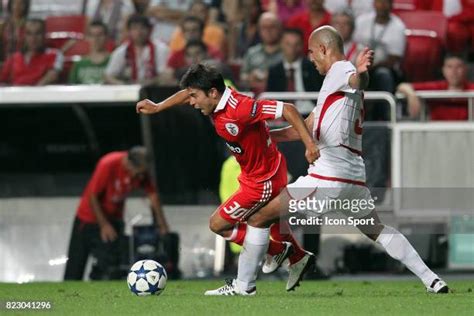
(238, 233)
(238, 236)
(282, 232)
(275, 247)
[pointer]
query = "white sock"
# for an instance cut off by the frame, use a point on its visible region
(254, 248)
(398, 247)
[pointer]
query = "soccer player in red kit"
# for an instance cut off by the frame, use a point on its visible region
(241, 122)
(99, 219)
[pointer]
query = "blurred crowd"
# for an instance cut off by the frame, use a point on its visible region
(259, 45)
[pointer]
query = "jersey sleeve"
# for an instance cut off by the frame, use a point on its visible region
(259, 110)
(98, 182)
(342, 74)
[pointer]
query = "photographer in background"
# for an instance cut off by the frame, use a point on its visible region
(99, 226)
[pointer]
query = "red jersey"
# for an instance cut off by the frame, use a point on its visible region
(445, 109)
(111, 183)
(20, 72)
(240, 121)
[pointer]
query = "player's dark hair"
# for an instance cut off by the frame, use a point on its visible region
(193, 19)
(139, 19)
(138, 157)
(203, 77)
(293, 31)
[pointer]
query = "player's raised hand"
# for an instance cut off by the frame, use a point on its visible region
(147, 107)
(364, 60)
(312, 153)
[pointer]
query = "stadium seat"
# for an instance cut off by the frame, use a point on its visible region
(79, 48)
(410, 5)
(422, 60)
(61, 29)
(421, 20)
(404, 5)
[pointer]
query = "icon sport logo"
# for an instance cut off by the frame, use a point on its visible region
(232, 128)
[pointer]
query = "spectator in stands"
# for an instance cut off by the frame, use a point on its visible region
(12, 27)
(455, 79)
(212, 34)
(295, 72)
(35, 64)
(243, 27)
(139, 60)
(314, 17)
(460, 30)
(196, 52)
(357, 7)
(90, 69)
(166, 16)
(261, 57)
(285, 9)
(113, 13)
(193, 31)
(385, 34)
(98, 226)
(344, 23)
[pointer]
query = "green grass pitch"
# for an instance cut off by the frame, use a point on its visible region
(186, 298)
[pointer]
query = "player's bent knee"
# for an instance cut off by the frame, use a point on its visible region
(214, 226)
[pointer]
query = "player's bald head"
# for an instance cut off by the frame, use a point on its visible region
(327, 36)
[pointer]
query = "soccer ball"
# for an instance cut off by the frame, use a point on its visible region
(147, 277)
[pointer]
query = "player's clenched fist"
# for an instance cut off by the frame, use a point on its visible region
(312, 153)
(364, 60)
(147, 107)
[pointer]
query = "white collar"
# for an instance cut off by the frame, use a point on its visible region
(223, 100)
(295, 65)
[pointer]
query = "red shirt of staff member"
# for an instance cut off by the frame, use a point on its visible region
(455, 75)
(98, 225)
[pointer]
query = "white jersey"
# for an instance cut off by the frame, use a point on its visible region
(337, 127)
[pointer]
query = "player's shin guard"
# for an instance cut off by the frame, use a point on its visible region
(282, 232)
(255, 246)
(398, 247)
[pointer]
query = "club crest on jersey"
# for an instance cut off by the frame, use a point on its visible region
(232, 128)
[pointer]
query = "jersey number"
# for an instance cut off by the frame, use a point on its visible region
(236, 211)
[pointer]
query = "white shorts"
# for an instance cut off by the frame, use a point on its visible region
(315, 195)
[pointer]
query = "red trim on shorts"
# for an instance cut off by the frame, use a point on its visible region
(350, 181)
(330, 100)
(355, 151)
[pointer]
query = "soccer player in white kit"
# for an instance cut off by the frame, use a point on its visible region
(339, 173)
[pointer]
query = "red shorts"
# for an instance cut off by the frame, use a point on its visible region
(249, 198)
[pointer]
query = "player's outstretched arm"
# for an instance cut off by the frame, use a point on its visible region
(365, 59)
(149, 107)
(292, 116)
